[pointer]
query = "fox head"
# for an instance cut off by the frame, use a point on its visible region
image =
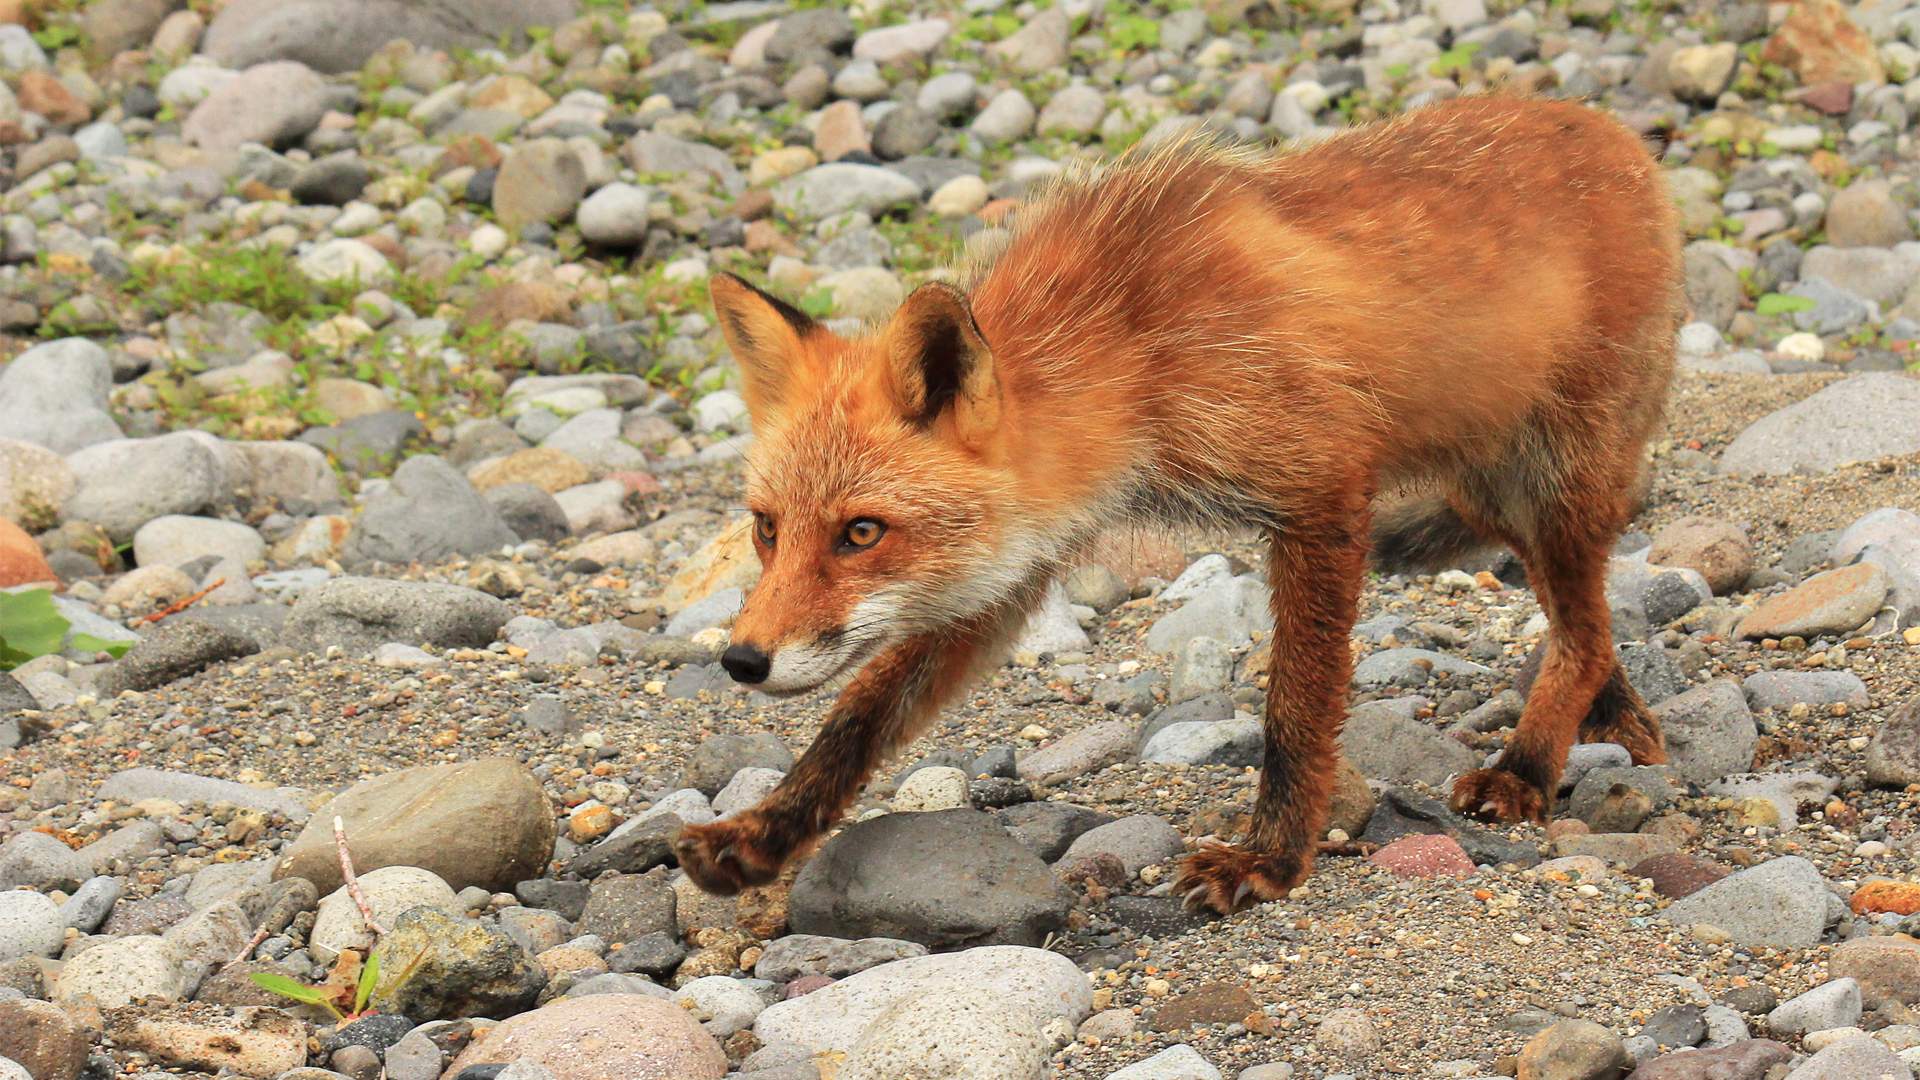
(874, 481)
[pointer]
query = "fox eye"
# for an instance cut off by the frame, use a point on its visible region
(862, 533)
(763, 529)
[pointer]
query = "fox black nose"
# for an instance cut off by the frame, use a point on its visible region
(746, 664)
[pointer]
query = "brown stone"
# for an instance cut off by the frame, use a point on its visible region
(1678, 874)
(483, 823)
(544, 467)
(528, 300)
(21, 562)
(42, 1039)
(1831, 603)
(728, 560)
(1209, 1003)
(1353, 800)
(40, 92)
(1718, 549)
(841, 132)
(514, 94)
(467, 152)
(1822, 44)
(1887, 968)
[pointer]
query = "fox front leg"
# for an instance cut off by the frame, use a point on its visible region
(886, 705)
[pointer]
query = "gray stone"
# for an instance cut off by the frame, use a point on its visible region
(272, 103)
(125, 483)
(1857, 419)
(1857, 1057)
(787, 958)
(957, 1032)
(36, 860)
(1049, 828)
(1834, 310)
(628, 907)
(177, 649)
(1177, 1062)
(30, 925)
(1783, 903)
(1832, 1004)
(1239, 742)
(836, 1016)
(1138, 841)
(615, 216)
(137, 784)
(178, 539)
(55, 395)
(719, 757)
(1229, 610)
(843, 187)
(430, 512)
(1709, 731)
(1781, 689)
(1008, 116)
(946, 879)
(1893, 757)
(87, 908)
(360, 614)
(1412, 668)
(1080, 753)
(1386, 744)
(1876, 274)
(333, 37)
(528, 511)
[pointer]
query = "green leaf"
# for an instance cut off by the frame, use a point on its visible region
(89, 643)
(369, 977)
(30, 626)
(287, 988)
(1782, 304)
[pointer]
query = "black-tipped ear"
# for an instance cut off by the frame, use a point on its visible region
(764, 333)
(940, 364)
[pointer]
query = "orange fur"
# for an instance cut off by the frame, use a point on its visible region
(1478, 299)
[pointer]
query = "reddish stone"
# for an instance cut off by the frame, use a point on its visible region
(753, 204)
(1822, 44)
(41, 93)
(1882, 897)
(1424, 856)
(1677, 875)
(1833, 99)
(21, 562)
(996, 211)
(637, 483)
(1211, 1003)
(807, 984)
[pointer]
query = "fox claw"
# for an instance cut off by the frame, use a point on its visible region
(1225, 878)
(724, 857)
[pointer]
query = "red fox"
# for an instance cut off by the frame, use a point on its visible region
(1475, 302)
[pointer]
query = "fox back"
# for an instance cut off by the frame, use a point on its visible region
(1199, 334)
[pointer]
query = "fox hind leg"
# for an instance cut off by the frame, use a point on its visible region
(1620, 716)
(1316, 569)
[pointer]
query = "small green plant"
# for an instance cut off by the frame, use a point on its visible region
(1130, 33)
(1458, 58)
(30, 627)
(320, 997)
(1782, 304)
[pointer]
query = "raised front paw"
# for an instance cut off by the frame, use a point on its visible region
(724, 857)
(1228, 877)
(1498, 795)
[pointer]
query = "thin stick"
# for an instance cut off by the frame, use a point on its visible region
(353, 883)
(246, 951)
(179, 606)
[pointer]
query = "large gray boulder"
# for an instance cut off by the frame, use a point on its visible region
(339, 35)
(1858, 419)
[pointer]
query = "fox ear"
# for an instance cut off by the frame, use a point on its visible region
(764, 333)
(940, 364)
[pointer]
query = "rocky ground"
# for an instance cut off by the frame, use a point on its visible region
(363, 408)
